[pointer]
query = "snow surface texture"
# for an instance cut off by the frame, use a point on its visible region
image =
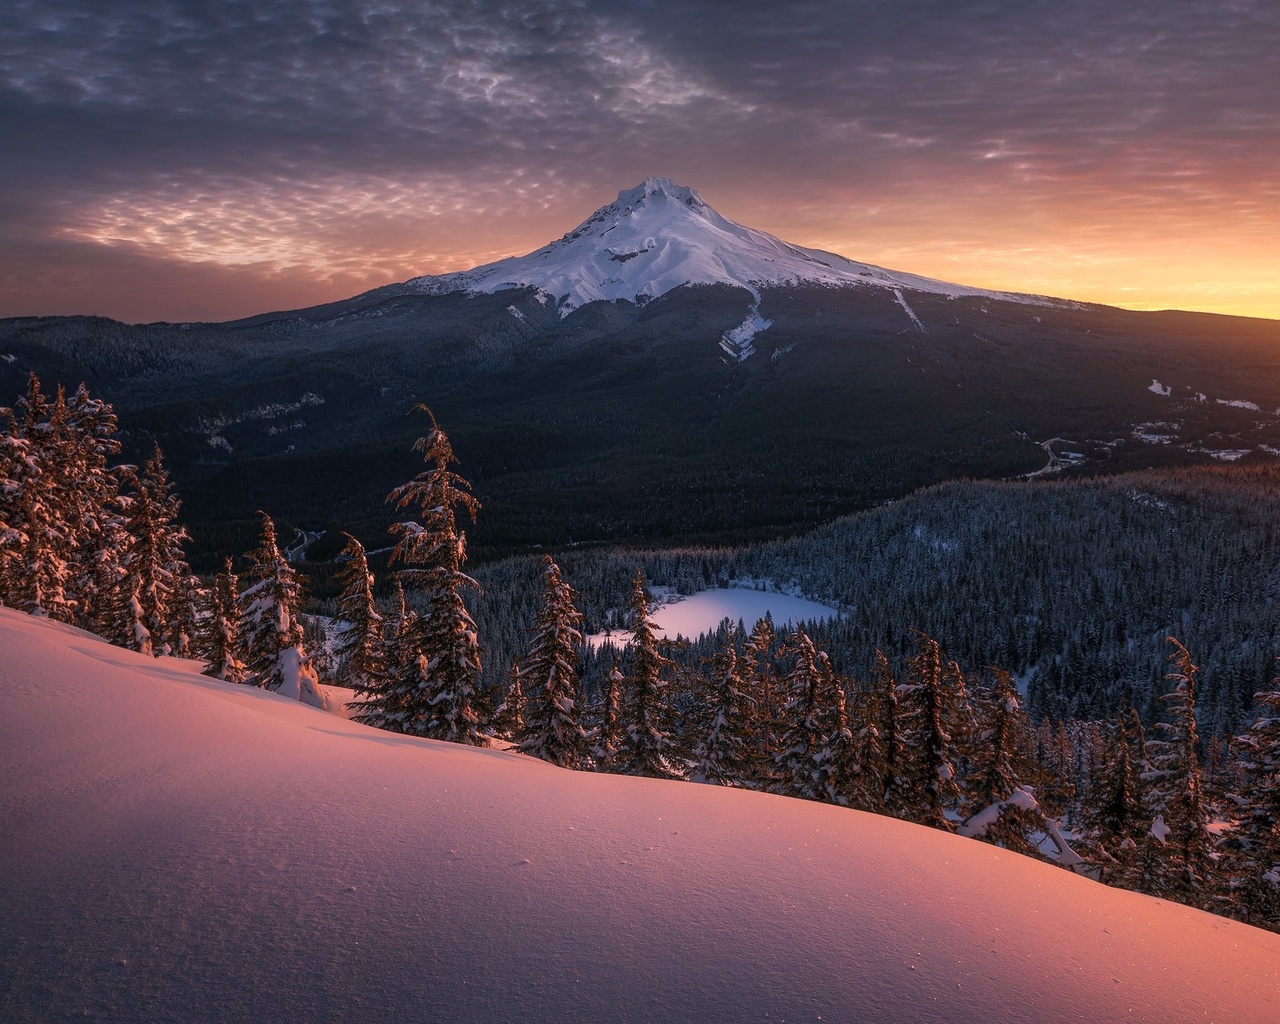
(176, 848)
(659, 236)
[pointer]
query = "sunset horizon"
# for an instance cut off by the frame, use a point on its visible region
(212, 164)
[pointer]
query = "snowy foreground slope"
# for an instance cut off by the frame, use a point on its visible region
(173, 848)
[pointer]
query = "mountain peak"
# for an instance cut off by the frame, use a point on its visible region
(660, 235)
(653, 188)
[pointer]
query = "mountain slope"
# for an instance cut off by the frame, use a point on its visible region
(765, 389)
(175, 848)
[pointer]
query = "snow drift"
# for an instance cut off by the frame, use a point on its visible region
(176, 848)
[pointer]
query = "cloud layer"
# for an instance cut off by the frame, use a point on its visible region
(318, 147)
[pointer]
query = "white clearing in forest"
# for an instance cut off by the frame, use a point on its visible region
(176, 848)
(897, 294)
(738, 343)
(1239, 403)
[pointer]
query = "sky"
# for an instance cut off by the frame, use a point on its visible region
(182, 160)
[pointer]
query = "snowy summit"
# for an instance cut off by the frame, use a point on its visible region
(660, 235)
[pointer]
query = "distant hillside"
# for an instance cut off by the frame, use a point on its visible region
(625, 423)
(1072, 585)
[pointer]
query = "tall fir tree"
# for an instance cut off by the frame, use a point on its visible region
(275, 654)
(760, 678)
(606, 735)
(155, 567)
(815, 758)
(362, 648)
(1116, 816)
(1181, 823)
(723, 753)
(929, 786)
(432, 690)
(508, 717)
(1258, 866)
(553, 728)
(999, 804)
(97, 540)
(645, 741)
(222, 636)
(35, 537)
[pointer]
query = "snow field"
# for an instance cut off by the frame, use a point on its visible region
(177, 848)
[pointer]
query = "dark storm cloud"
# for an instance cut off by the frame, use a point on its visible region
(116, 115)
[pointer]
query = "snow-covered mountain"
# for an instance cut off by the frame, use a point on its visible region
(659, 236)
(175, 848)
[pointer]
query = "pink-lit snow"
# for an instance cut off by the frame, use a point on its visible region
(175, 848)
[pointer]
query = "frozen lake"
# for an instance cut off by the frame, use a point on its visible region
(690, 617)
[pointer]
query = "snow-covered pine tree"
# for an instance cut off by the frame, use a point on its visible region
(645, 741)
(1181, 822)
(724, 752)
(1258, 870)
(508, 717)
(97, 542)
(35, 547)
(606, 736)
(221, 644)
(815, 758)
(761, 681)
(872, 725)
(1116, 817)
(154, 565)
(999, 805)
(926, 767)
(432, 690)
(553, 728)
(275, 655)
(362, 647)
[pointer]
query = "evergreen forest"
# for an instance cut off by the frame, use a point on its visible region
(1079, 671)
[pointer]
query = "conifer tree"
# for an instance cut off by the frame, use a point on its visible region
(761, 682)
(362, 648)
(815, 758)
(1259, 863)
(723, 753)
(155, 567)
(1116, 815)
(222, 645)
(92, 509)
(645, 741)
(1000, 806)
(508, 718)
(432, 690)
(34, 533)
(1181, 824)
(190, 602)
(275, 655)
(606, 737)
(873, 719)
(553, 727)
(926, 768)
